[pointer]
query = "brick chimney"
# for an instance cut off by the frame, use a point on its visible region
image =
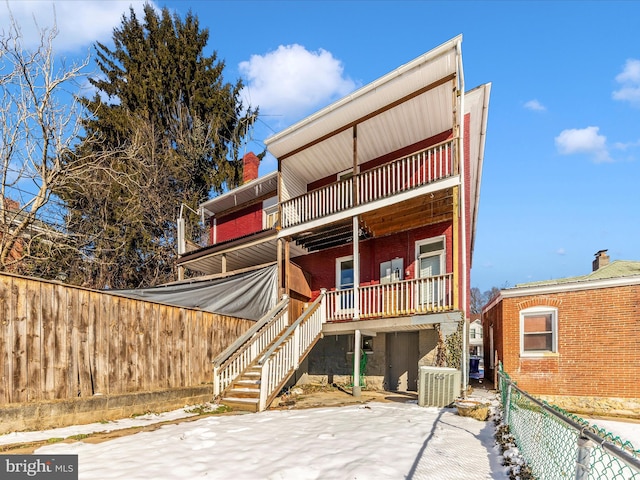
(250, 164)
(601, 260)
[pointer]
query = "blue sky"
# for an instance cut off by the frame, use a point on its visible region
(562, 160)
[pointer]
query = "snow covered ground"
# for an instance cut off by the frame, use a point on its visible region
(366, 441)
(377, 440)
(627, 431)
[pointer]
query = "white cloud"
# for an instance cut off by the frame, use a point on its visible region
(561, 251)
(626, 145)
(535, 105)
(629, 78)
(292, 81)
(80, 24)
(583, 140)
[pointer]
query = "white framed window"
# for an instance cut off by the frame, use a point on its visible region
(269, 213)
(344, 281)
(430, 258)
(538, 331)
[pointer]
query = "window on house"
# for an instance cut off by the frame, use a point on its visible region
(344, 281)
(269, 213)
(472, 334)
(430, 256)
(366, 345)
(538, 330)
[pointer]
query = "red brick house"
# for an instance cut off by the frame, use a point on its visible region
(372, 231)
(573, 341)
(11, 213)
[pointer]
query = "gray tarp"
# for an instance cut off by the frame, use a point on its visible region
(246, 295)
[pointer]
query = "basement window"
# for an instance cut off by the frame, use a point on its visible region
(538, 331)
(367, 344)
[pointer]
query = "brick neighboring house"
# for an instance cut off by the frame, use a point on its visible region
(573, 341)
(11, 213)
(373, 228)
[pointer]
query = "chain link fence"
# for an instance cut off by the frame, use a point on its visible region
(559, 445)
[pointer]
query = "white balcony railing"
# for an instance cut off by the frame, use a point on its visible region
(415, 170)
(407, 297)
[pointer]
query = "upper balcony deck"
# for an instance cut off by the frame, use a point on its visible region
(403, 176)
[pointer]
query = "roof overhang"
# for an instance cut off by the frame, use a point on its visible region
(562, 287)
(257, 249)
(477, 105)
(243, 194)
(404, 107)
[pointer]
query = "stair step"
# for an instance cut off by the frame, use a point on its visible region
(248, 382)
(240, 403)
(244, 390)
(241, 399)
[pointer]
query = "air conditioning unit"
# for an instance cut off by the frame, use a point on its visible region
(438, 386)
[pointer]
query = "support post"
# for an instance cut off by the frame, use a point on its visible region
(287, 266)
(357, 391)
(216, 381)
(456, 251)
(281, 290)
(356, 268)
(584, 458)
(296, 348)
(224, 263)
(323, 305)
(264, 386)
(507, 405)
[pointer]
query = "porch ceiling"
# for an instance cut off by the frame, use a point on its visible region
(416, 212)
(208, 261)
(330, 236)
(414, 102)
(394, 324)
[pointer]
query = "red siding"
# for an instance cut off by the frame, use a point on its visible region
(242, 222)
(386, 158)
(467, 205)
(322, 265)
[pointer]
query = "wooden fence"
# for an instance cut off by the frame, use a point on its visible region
(61, 342)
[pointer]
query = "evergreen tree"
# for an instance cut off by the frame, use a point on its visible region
(173, 128)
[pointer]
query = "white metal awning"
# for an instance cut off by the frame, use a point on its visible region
(242, 194)
(408, 105)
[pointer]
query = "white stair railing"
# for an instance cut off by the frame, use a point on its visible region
(284, 356)
(241, 353)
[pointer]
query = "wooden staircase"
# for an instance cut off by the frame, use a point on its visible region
(248, 378)
(244, 392)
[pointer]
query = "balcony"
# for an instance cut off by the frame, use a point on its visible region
(407, 297)
(384, 181)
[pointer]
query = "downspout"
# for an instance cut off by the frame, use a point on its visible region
(463, 207)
